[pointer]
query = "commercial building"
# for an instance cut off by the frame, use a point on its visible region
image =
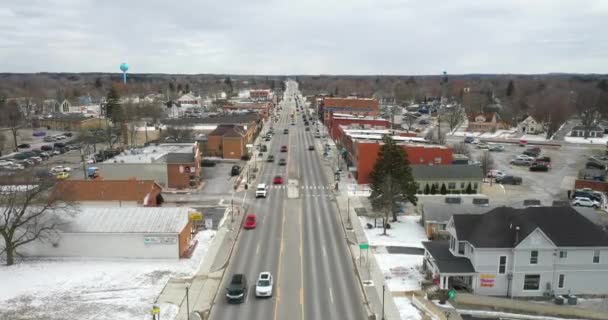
(229, 141)
(260, 94)
(108, 193)
(262, 108)
(339, 120)
(531, 252)
(128, 232)
(354, 106)
(454, 179)
(70, 122)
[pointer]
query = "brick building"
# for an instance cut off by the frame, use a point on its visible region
(354, 106)
(260, 94)
(230, 141)
(106, 193)
(184, 170)
(350, 121)
(484, 122)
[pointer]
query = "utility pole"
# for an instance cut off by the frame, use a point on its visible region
(84, 164)
(383, 289)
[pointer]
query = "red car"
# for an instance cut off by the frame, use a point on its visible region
(283, 148)
(250, 221)
(277, 180)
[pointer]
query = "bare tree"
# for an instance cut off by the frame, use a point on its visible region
(486, 162)
(435, 137)
(28, 213)
(178, 135)
(12, 118)
(461, 148)
(409, 120)
(454, 117)
(587, 105)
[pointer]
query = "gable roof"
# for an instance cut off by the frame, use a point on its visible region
(591, 128)
(104, 190)
(496, 228)
(442, 212)
(487, 115)
(445, 261)
(445, 172)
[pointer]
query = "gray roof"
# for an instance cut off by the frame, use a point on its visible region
(180, 158)
(447, 172)
(128, 220)
(442, 212)
(445, 260)
(565, 227)
(228, 119)
(591, 128)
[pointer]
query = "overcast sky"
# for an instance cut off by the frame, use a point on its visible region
(305, 36)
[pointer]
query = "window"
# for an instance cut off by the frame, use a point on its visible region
(451, 185)
(437, 160)
(452, 243)
(596, 256)
(563, 254)
(502, 264)
(461, 247)
(532, 282)
(462, 185)
(560, 281)
(475, 186)
(534, 257)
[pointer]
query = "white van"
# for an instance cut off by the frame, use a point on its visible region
(261, 190)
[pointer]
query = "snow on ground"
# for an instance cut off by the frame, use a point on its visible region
(598, 304)
(534, 137)
(406, 232)
(406, 309)
(82, 289)
(401, 271)
(582, 140)
(506, 315)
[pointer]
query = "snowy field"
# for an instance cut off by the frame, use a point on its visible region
(582, 140)
(66, 289)
(406, 232)
(401, 271)
(406, 309)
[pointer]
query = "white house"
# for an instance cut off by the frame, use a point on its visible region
(189, 101)
(119, 232)
(529, 125)
(530, 252)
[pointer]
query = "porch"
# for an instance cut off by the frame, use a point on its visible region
(447, 270)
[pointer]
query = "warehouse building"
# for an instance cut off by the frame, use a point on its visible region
(119, 232)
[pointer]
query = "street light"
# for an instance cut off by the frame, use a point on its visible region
(188, 301)
(383, 288)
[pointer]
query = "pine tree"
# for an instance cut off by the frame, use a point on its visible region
(113, 108)
(427, 189)
(469, 189)
(443, 190)
(433, 189)
(392, 180)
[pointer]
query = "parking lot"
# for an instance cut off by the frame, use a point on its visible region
(566, 161)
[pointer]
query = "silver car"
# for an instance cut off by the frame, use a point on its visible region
(263, 287)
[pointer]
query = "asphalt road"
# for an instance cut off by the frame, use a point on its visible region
(298, 239)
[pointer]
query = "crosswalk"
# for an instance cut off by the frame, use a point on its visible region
(303, 187)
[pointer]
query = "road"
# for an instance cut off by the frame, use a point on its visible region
(298, 238)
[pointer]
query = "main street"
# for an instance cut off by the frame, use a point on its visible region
(298, 238)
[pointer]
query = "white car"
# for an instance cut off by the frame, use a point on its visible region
(4, 163)
(497, 147)
(57, 169)
(585, 202)
(476, 141)
(263, 287)
(495, 174)
(483, 146)
(61, 137)
(524, 157)
(261, 190)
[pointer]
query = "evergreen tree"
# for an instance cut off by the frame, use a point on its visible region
(443, 190)
(433, 189)
(469, 189)
(427, 189)
(114, 111)
(392, 179)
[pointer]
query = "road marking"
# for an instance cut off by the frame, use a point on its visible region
(257, 251)
(331, 295)
(301, 264)
(276, 304)
(324, 252)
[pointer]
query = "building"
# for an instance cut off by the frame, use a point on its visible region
(594, 131)
(351, 122)
(107, 193)
(229, 141)
(129, 232)
(354, 106)
(189, 101)
(484, 122)
(436, 213)
(531, 126)
(260, 94)
(457, 179)
(531, 252)
(262, 108)
(183, 169)
(71, 122)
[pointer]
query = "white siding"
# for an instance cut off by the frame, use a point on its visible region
(486, 265)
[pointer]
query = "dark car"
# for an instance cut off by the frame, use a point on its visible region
(282, 162)
(67, 134)
(424, 121)
(264, 148)
(237, 289)
(469, 139)
(531, 153)
(23, 146)
(235, 171)
(595, 165)
(59, 145)
(508, 179)
(539, 167)
(46, 147)
(283, 148)
(208, 163)
(307, 129)
(270, 158)
(311, 147)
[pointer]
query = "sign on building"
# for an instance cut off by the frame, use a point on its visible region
(160, 240)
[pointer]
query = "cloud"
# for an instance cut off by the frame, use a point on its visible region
(305, 37)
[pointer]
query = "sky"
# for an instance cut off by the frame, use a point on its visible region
(393, 37)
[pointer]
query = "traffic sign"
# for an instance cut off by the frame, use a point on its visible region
(155, 310)
(364, 246)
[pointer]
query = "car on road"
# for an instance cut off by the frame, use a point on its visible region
(520, 162)
(261, 190)
(285, 131)
(62, 175)
(49, 139)
(595, 165)
(497, 148)
(237, 289)
(264, 148)
(495, 174)
(235, 171)
(23, 146)
(311, 147)
(468, 139)
(277, 180)
(250, 221)
(585, 202)
(307, 129)
(539, 167)
(317, 135)
(46, 147)
(509, 179)
(283, 148)
(267, 138)
(39, 134)
(263, 287)
(483, 146)
(270, 158)
(282, 162)
(293, 123)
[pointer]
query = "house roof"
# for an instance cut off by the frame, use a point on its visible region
(228, 130)
(442, 212)
(235, 131)
(447, 172)
(496, 228)
(230, 119)
(127, 220)
(183, 157)
(591, 128)
(487, 115)
(445, 260)
(104, 190)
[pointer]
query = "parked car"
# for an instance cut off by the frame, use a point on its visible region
(37, 160)
(509, 179)
(68, 134)
(235, 171)
(208, 163)
(250, 221)
(483, 146)
(525, 157)
(495, 173)
(57, 169)
(270, 158)
(531, 153)
(263, 288)
(283, 148)
(468, 139)
(539, 167)
(497, 148)
(521, 162)
(585, 202)
(523, 143)
(277, 180)
(595, 165)
(317, 135)
(237, 289)
(48, 139)
(62, 175)
(588, 193)
(39, 134)
(46, 147)
(424, 121)
(23, 146)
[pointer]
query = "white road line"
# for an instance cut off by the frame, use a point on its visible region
(324, 252)
(257, 250)
(331, 295)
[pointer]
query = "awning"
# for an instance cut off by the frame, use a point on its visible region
(445, 261)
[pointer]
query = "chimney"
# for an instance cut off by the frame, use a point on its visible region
(516, 235)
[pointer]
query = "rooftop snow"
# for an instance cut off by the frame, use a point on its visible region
(150, 154)
(128, 220)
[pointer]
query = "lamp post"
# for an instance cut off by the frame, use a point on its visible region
(187, 301)
(348, 209)
(383, 289)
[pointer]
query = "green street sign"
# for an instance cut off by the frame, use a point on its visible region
(364, 246)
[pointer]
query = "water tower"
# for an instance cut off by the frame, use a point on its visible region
(124, 67)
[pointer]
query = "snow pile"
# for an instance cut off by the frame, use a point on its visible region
(582, 140)
(406, 309)
(406, 232)
(92, 288)
(401, 271)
